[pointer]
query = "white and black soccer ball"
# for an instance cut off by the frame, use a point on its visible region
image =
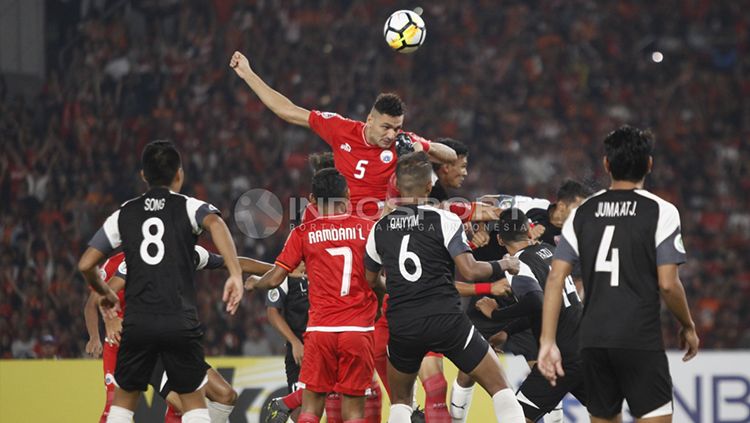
(404, 31)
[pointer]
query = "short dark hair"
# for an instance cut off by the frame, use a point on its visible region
(160, 161)
(459, 147)
(320, 161)
(570, 190)
(389, 104)
(328, 184)
(413, 171)
(628, 150)
(513, 225)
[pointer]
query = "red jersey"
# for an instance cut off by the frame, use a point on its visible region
(333, 248)
(366, 167)
(109, 269)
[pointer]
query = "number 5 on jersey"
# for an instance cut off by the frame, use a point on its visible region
(360, 173)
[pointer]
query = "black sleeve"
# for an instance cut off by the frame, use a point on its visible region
(528, 305)
(518, 325)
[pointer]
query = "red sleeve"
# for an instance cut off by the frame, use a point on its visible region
(328, 125)
(291, 255)
(424, 141)
(463, 210)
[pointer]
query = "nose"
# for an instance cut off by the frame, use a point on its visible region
(390, 134)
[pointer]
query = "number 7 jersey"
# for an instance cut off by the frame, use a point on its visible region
(333, 249)
(620, 238)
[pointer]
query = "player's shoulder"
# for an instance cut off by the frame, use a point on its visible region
(588, 204)
(665, 207)
(333, 117)
(444, 215)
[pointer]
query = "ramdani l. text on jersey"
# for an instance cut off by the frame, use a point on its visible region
(335, 234)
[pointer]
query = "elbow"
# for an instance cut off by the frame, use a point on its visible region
(83, 266)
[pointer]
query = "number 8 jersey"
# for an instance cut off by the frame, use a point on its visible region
(158, 232)
(333, 249)
(620, 237)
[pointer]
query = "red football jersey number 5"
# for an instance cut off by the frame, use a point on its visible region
(360, 169)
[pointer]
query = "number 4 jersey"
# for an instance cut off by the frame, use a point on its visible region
(157, 232)
(620, 237)
(333, 249)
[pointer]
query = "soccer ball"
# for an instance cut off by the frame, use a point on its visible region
(404, 31)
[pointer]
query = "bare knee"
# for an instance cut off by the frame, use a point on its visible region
(464, 380)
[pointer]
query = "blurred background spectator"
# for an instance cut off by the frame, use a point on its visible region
(531, 86)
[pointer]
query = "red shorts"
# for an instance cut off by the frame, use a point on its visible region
(338, 362)
(109, 359)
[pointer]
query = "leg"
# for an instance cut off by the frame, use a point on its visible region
(221, 397)
(660, 419)
(463, 390)
(380, 352)
(194, 406)
(489, 374)
(333, 408)
(435, 388)
(352, 408)
(615, 419)
(313, 404)
(402, 385)
(373, 402)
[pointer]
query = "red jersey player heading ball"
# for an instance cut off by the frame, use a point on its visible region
(364, 152)
(339, 339)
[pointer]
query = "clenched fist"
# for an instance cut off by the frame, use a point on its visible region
(240, 65)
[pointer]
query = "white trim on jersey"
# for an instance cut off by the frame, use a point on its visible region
(191, 206)
(450, 223)
(371, 248)
(524, 270)
(202, 257)
(284, 285)
(112, 230)
(525, 203)
(669, 217)
(522, 398)
(340, 329)
(568, 232)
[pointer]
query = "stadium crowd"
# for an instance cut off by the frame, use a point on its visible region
(531, 87)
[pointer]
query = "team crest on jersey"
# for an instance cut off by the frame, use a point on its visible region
(273, 295)
(678, 245)
(346, 147)
(109, 379)
(386, 156)
(103, 274)
(123, 268)
(327, 115)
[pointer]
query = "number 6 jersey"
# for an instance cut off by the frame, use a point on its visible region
(333, 249)
(620, 237)
(157, 232)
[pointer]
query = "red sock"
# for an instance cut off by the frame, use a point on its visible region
(373, 403)
(107, 405)
(333, 408)
(172, 416)
(436, 389)
(308, 418)
(293, 400)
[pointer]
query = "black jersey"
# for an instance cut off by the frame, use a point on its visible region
(416, 245)
(291, 297)
(535, 265)
(157, 232)
(620, 237)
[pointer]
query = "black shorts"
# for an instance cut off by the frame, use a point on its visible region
(173, 338)
(523, 343)
(292, 369)
(449, 334)
(538, 397)
(613, 374)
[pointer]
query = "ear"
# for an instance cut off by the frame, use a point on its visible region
(605, 162)
(650, 164)
(143, 177)
(312, 199)
(347, 193)
(179, 176)
(500, 241)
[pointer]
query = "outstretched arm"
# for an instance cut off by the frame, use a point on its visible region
(269, 280)
(225, 244)
(274, 100)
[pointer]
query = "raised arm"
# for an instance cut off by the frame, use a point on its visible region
(225, 244)
(274, 100)
(440, 153)
(473, 270)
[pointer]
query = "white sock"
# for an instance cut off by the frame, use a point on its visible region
(120, 415)
(197, 415)
(556, 415)
(400, 413)
(507, 408)
(219, 412)
(460, 402)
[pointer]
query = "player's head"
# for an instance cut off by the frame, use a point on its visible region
(628, 154)
(452, 175)
(385, 120)
(162, 165)
(329, 190)
(569, 196)
(414, 175)
(513, 226)
(320, 161)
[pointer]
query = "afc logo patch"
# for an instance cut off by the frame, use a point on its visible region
(386, 156)
(109, 379)
(123, 268)
(328, 115)
(273, 295)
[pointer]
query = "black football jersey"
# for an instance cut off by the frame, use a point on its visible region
(158, 232)
(532, 276)
(620, 237)
(415, 245)
(291, 298)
